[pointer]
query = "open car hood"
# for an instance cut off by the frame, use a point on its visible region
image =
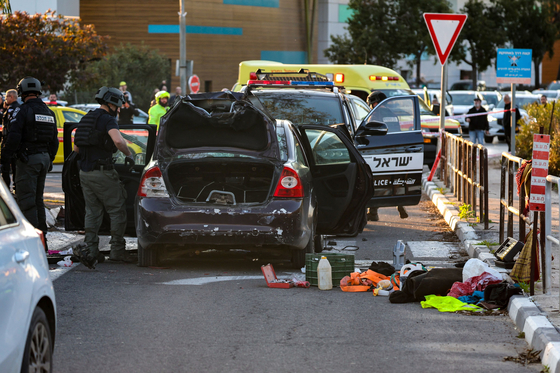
(216, 122)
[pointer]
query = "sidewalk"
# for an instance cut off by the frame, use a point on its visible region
(538, 316)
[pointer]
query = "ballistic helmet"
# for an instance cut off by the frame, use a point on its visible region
(29, 85)
(376, 97)
(109, 96)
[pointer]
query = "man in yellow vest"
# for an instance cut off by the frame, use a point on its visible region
(159, 109)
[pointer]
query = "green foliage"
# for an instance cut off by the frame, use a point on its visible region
(539, 21)
(442, 190)
(5, 7)
(481, 36)
(140, 67)
(539, 115)
(47, 47)
(466, 212)
(521, 335)
(381, 32)
(524, 286)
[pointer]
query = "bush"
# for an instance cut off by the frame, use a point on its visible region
(539, 116)
(140, 67)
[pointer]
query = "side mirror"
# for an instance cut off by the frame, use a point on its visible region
(372, 128)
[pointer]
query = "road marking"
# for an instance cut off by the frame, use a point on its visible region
(208, 280)
(59, 271)
(432, 249)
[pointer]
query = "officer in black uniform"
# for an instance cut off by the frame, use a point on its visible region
(8, 164)
(97, 138)
(33, 139)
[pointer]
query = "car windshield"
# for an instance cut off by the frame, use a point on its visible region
(520, 102)
(463, 99)
(554, 85)
(302, 108)
(491, 98)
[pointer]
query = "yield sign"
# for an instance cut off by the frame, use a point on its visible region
(444, 30)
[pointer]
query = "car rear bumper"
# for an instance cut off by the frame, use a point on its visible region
(159, 222)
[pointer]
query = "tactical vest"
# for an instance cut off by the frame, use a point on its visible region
(87, 133)
(40, 129)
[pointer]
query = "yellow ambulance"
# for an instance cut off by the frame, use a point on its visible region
(359, 80)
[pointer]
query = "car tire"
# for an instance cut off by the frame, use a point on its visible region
(147, 258)
(488, 139)
(501, 138)
(298, 255)
(37, 355)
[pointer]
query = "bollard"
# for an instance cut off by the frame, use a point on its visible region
(399, 255)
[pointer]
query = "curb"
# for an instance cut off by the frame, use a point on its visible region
(540, 334)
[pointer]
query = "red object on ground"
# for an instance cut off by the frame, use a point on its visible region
(468, 287)
(434, 167)
(271, 279)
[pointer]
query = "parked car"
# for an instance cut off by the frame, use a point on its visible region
(142, 116)
(554, 85)
(427, 95)
(552, 95)
(462, 102)
(492, 98)
(27, 300)
(467, 85)
(496, 116)
(225, 175)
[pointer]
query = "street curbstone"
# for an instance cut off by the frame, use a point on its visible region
(532, 325)
(551, 357)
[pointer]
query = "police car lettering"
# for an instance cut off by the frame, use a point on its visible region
(44, 118)
(395, 162)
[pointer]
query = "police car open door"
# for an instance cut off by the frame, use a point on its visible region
(396, 158)
(140, 139)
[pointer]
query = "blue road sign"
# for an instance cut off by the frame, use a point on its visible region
(514, 66)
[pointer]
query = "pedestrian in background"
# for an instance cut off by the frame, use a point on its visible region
(159, 109)
(178, 92)
(33, 138)
(53, 100)
(128, 111)
(124, 89)
(506, 121)
(544, 100)
(478, 124)
(97, 138)
(8, 163)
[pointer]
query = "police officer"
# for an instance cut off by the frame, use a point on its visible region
(97, 138)
(8, 164)
(33, 139)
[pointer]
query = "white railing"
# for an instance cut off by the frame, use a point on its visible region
(550, 239)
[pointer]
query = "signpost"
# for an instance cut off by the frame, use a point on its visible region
(514, 66)
(444, 30)
(194, 84)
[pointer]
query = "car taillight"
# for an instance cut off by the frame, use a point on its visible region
(289, 185)
(253, 76)
(42, 236)
(152, 184)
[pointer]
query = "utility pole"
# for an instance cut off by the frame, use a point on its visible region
(183, 47)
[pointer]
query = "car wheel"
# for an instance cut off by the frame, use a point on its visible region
(488, 139)
(319, 243)
(501, 138)
(298, 258)
(146, 257)
(37, 356)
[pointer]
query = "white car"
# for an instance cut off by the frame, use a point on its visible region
(141, 118)
(27, 302)
(495, 117)
(462, 102)
(552, 95)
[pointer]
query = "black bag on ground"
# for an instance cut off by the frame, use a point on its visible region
(497, 295)
(418, 284)
(383, 268)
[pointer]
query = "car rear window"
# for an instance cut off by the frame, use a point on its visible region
(463, 99)
(6, 216)
(302, 109)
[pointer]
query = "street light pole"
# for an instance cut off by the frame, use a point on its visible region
(183, 47)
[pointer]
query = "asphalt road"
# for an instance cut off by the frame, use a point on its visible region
(214, 313)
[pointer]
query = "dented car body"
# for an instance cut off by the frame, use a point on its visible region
(222, 174)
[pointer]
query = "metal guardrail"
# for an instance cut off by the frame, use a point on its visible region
(465, 170)
(548, 238)
(509, 166)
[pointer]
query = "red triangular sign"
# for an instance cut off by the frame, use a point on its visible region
(444, 29)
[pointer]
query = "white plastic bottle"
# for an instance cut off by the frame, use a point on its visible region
(324, 274)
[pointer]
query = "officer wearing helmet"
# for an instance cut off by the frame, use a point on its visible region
(33, 140)
(159, 109)
(97, 138)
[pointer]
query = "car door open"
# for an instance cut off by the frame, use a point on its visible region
(342, 180)
(397, 157)
(140, 139)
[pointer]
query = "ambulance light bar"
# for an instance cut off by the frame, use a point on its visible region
(289, 82)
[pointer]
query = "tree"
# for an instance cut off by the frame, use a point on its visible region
(140, 67)
(45, 46)
(481, 36)
(372, 31)
(413, 34)
(531, 24)
(5, 7)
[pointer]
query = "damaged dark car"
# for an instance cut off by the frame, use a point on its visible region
(224, 175)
